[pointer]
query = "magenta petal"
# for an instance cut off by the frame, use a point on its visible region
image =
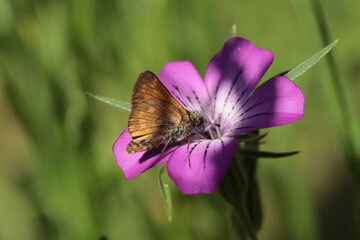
(187, 79)
(277, 102)
(136, 163)
(233, 74)
(209, 161)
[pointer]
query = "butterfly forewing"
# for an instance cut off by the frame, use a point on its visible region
(153, 112)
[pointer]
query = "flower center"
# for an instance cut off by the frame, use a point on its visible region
(212, 130)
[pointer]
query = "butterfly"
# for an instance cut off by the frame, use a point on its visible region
(156, 117)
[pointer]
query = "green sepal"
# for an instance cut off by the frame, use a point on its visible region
(250, 137)
(114, 102)
(165, 193)
(263, 154)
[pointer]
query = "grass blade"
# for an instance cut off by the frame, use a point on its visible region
(349, 136)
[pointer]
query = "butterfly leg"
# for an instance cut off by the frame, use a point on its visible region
(201, 135)
(166, 145)
(187, 148)
(168, 142)
(187, 151)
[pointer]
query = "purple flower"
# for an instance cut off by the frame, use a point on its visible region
(224, 97)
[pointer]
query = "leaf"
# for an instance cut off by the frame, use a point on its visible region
(262, 154)
(166, 195)
(307, 64)
(114, 102)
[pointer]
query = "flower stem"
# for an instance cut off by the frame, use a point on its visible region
(240, 189)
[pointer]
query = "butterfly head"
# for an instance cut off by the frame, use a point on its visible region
(196, 118)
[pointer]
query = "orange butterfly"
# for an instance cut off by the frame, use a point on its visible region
(156, 117)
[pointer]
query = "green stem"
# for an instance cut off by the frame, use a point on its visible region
(239, 188)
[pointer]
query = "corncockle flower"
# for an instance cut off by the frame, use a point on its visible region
(224, 98)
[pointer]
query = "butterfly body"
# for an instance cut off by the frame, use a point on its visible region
(156, 117)
(191, 120)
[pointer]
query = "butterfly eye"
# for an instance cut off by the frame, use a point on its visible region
(200, 122)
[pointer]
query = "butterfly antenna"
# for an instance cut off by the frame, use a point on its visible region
(182, 98)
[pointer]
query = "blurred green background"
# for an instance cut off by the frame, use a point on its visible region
(58, 176)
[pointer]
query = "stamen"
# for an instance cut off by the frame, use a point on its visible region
(218, 130)
(213, 129)
(211, 134)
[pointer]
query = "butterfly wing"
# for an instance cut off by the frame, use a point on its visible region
(154, 111)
